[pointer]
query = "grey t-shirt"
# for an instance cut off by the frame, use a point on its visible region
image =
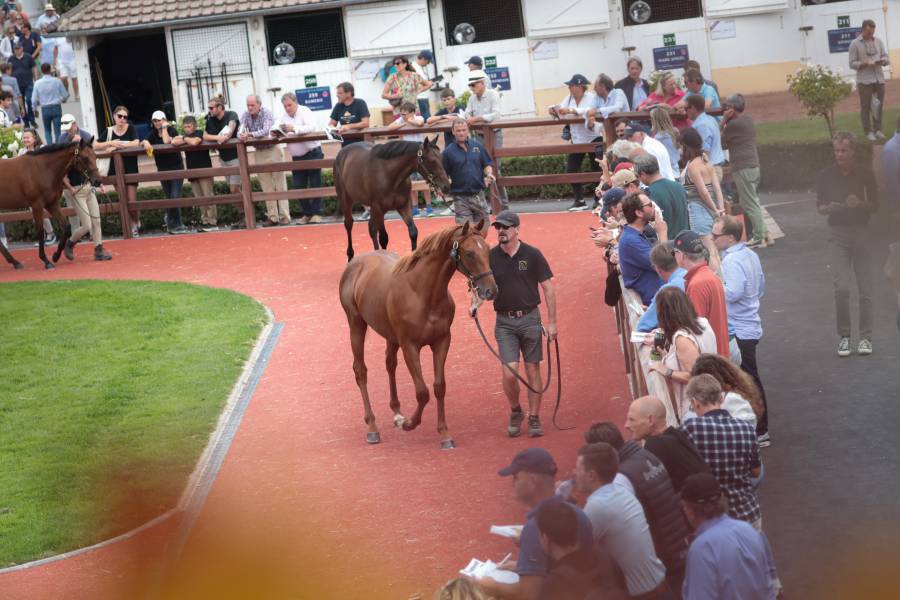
(739, 137)
(621, 530)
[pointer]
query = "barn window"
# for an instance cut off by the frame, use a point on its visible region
(639, 12)
(314, 35)
(492, 19)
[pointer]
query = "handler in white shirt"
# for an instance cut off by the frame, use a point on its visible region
(299, 120)
(635, 132)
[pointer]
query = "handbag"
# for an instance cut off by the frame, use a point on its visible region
(566, 133)
(103, 163)
(613, 288)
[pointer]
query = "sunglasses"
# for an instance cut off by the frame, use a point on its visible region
(398, 63)
(120, 116)
(501, 227)
(644, 205)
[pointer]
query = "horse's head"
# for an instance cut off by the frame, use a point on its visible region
(471, 254)
(431, 167)
(86, 162)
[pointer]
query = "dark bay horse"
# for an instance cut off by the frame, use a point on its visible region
(35, 180)
(377, 176)
(406, 301)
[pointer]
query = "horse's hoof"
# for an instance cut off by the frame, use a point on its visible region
(18, 266)
(373, 437)
(448, 445)
(408, 425)
(399, 420)
(49, 266)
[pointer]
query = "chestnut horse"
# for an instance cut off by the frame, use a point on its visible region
(377, 176)
(35, 180)
(406, 301)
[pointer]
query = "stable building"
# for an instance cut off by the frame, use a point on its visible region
(176, 54)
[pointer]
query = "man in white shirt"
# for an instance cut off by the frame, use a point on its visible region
(64, 57)
(299, 120)
(608, 100)
(421, 67)
(635, 132)
(484, 107)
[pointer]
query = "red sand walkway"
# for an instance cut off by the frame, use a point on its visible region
(302, 504)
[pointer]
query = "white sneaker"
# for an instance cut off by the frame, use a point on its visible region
(447, 212)
(871, 136)
(844, 347)
(865, 348)
(880, 135)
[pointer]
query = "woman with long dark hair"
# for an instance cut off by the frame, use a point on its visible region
(404, 85)
(686, 337)
(122, 135)
(704, 194)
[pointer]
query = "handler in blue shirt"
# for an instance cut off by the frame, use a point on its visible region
(470, 169)
(663, 260)
(728, 558)
(634, 248)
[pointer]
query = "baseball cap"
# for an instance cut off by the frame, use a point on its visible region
(66, 120)
(530, 460)
(689, 241)
(426, 54)
(475, 60)
(508, 218)
(623, 178)
(48, 6)
(578, 79)
(701, 488)
(477, 75)
(160, 115)
(633, 128)
(624, 165)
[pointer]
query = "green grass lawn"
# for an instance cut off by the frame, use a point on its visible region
(108, 396)
(815, 130)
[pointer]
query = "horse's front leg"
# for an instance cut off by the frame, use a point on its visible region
(56, 212)
(348, 225)
(406, 214)
(358, 328)
(37, 212)
(413, 363)
(439, 351)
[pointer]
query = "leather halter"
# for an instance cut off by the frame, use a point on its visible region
(472, 279)
(420, 167)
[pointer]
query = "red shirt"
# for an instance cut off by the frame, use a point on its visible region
(707, 294)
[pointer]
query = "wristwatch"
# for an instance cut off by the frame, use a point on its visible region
(669, 373)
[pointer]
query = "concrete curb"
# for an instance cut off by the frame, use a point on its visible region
(203, 476)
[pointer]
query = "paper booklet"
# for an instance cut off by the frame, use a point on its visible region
(477, 569)
(507, 531)
(278, 132)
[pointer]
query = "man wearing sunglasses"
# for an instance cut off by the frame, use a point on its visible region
(519, 269)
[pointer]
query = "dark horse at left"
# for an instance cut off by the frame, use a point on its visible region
(35, 180)
(377, 176)
(406, 301)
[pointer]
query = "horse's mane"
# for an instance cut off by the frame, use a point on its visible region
(433, 243)
(50, 148)
(395, 148)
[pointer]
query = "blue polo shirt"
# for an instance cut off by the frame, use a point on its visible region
(634, 263)
(532, 559)
(649, 320)
(709, 94)
(708, 128)
(466, 167)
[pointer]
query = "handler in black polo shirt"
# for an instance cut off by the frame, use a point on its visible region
(518, 270)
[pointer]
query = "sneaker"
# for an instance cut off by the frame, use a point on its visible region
(871, 136)
(239, 225)
(447, 212)
(206, 227)
(179, 230)
(844, 347)
(303, 220)
(578, 206)
(284, 221)
(135, 231)
(365, 216)
(50, 239)
(415, 211)
(314, 219)
(757, 243)
(429, 212)
(69, 250)
(515, 423)
(270, 223)
(534, 426)
(763, 440)
(880, 135)
(100, 253)
(865, 348)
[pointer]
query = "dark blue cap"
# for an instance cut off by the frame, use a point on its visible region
(690, 242)
(578, 79)
(531, 460)
(426, 54)
(475, 60)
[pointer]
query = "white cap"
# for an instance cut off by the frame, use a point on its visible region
(49, 6)
(66, 120)
(158, 115)
(477, 75)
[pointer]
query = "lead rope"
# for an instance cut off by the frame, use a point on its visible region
(474, 312)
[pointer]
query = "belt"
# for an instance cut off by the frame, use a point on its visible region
(660, 590)
(515, 314)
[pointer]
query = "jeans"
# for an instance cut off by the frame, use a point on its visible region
(747, 181)
(28, 117)
(870, 122)
(850, 248)
(573, 165)
(172, 189)
(748, 364)
(51, 115)
(424, 108)
(311, 178)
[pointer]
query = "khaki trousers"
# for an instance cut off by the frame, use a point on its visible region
(204, 187)
(85, 203)
(273, 182)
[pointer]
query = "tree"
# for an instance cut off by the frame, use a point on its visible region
(819, 89)
(64, 5)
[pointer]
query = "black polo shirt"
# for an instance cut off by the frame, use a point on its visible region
(214, 126)
(518, 276)
(169, 161)
(197, 159)
(832, 186)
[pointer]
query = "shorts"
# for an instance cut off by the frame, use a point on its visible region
(67, 69)
(470, 207)
(520, 335)
(231, 179)
(700, 219)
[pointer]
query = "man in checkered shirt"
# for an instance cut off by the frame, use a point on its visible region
(728, 445)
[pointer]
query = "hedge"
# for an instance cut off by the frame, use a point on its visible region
(784, 167)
